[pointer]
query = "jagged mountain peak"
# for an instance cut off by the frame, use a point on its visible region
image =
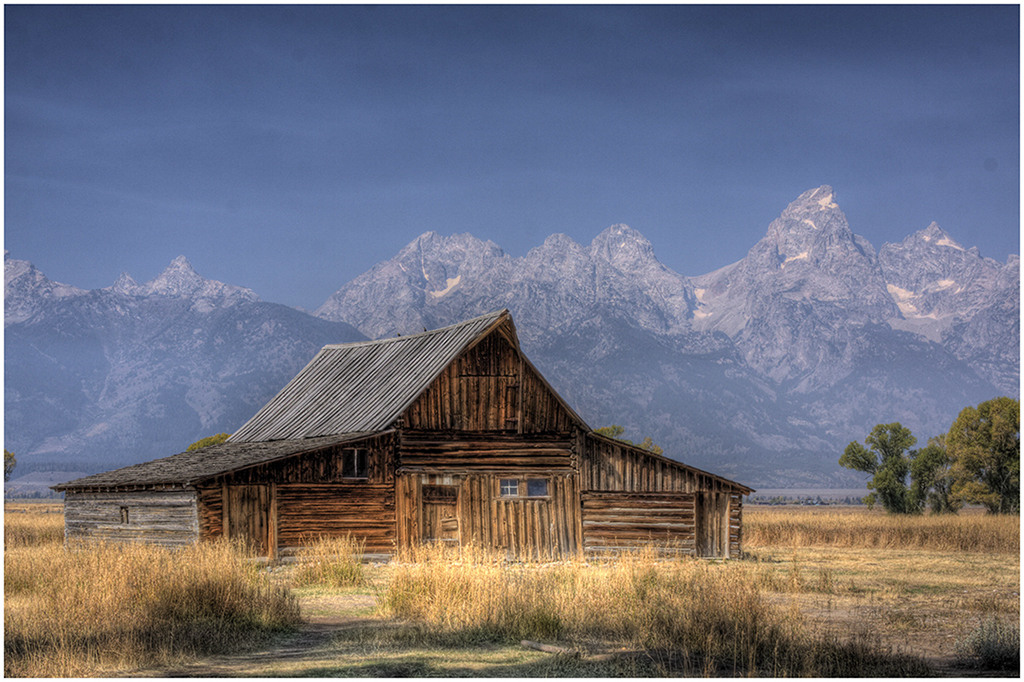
(623, 247)
(813, 213)
(180, 279)
(935, 235)
(125, 284)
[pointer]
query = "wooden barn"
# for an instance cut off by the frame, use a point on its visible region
(448, 436)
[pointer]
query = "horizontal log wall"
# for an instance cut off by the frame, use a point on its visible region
(163, 517)
(307, 512)
(622, 521)
(461, 451)
(489, 388)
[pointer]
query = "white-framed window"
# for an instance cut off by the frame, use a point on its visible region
(530, 487)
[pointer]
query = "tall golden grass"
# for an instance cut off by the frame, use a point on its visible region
(85, 610)
(32, 529)
(716, 616)
(948, 532)
(331, 563)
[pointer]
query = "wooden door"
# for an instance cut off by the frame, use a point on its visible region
(440, 514)
(711, 520)
(248, 516)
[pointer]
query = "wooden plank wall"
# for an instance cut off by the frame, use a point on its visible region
(306, 512)
(164, 517)
(488, 388)
(621, 521)
(715, 513)
(324, 466)
(735, 525)
(460, 451)
(524, 527)
(611, 466)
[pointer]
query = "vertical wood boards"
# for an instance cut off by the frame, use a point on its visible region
(248, 516)
(164, 517)
(489, 388)
(523, 527)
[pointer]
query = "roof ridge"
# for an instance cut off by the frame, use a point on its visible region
(440, 330)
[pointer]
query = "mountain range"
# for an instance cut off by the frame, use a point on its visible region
(762, 370)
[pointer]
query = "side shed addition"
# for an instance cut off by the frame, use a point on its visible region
(450, 436)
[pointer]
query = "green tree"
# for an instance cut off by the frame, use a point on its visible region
(984, 446)
(614, 431)
(932, 479)
(209, 440)
(888, 461)
(10, 461)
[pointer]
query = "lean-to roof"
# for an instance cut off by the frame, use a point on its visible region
(362, 386)
(189, 467)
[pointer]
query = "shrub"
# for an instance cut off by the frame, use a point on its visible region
(993, 644)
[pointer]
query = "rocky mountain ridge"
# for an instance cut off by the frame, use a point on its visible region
(112, 376)
(761, 370)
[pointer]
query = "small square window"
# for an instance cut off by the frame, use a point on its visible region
(353, 463)
(537, 487)
(509, 487)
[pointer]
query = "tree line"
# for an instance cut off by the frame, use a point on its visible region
(976, 462)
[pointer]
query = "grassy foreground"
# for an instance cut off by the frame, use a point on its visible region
(89, 610)
(822, 593)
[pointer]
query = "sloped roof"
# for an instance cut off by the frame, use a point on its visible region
(187, 468)
(362, 386)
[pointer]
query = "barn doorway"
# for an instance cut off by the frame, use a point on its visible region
(441, 514)
(248, 516)
(711, 524)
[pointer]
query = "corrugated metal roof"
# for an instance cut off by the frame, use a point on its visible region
(362, 386)
(189, 467)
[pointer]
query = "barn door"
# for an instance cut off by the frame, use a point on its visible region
(711, 518)
(248, 516)
(440, 514)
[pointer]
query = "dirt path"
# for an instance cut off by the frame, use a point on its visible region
(325, 617)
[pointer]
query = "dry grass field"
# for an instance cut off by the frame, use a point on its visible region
(824, 592)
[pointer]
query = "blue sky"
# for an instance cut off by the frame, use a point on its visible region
(288, 149)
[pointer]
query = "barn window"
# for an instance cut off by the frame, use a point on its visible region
(353, 463)
(536, 487)
(124, 514)
(531, 487)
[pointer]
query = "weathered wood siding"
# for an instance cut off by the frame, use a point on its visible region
(164, 517)
(304, 497)
(712, 517)
(366, 512)
(612, 466)
(617, 521)
(524, 527)
(735, 525)
(451, 452)
(489, 388)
